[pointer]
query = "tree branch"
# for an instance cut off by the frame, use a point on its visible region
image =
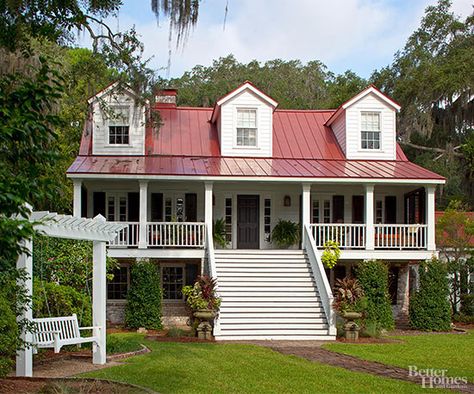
(431, 149)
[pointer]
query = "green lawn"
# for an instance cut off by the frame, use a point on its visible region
(238, 368)
(454, 352)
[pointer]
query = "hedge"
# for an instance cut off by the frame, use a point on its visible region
(144, 297)
(52, 300)
(429, 306)
(8, 335)
(373, 277)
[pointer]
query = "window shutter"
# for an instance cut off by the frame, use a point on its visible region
(83, 202)
(390, 209)
(134, 207)
(98, 203)
(156, 207)
(338, 209)
(358, 205)
(190, 203)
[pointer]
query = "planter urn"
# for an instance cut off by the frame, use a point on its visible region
(204, 329)
(351, 328)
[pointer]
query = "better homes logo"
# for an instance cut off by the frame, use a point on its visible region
(436, 378)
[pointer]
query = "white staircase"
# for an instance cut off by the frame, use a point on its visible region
(268, 294)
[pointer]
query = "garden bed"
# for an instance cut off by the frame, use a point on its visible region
(51, 385)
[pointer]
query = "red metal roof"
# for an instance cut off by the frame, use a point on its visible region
(187, 144)
(249, 167)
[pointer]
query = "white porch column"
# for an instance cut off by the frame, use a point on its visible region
(99, 285)
(142, 234)
(305, 209)
(369, 218)
(24, 358)
(77, 207)
(430, 217)
(208, 205)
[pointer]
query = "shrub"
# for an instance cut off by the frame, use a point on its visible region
(219, 233)
(467, 304)
(286, 233)
(429, 306)
(53, 300)
(373, 277)
(144, 297)
(331, 254)
(348, 295)
(8, 335)
(202, 295)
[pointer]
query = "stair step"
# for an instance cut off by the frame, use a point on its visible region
(265, 306)
(261, 265)
(280, 286)
(269, 294)
(218, 252)
(272, 326)
(246, 275)
(271, 321)
(264, 281)
(264, 314)
(263, 271)
(254, 260)
(273, 333)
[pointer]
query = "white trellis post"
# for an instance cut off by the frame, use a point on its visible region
(99, 298)
(24, 357)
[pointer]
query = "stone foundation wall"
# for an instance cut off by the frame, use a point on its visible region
(174, 313)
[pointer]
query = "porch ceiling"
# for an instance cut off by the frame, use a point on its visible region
(182, 166)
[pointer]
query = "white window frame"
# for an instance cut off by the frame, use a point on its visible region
(169, 265)
(382, 203)
(372, 112)
(117, 122)
(321, 200)
(116, 196)
(236, 127)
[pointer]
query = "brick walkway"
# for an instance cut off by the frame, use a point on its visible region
(316, 353)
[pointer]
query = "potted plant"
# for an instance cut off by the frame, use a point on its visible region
(219, 233)
(348, 302)
(331, 254)
(286, 233)
(204, 303)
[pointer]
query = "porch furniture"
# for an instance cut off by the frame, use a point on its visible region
(56, 332)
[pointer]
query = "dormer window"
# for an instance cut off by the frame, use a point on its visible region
(247, 127)
(370, 130)
(119, 126)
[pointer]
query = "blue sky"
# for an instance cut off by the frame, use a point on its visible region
(361, 35)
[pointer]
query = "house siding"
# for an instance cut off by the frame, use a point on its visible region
(339, 129)
(228, 126)
(352, 143)
(100, 134)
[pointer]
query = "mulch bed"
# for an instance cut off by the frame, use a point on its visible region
(49, 385)
(356, 364)
(182, 339)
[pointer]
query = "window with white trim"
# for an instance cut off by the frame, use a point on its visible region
(370, 130)
(379, 211)
(228, 219)
(267, 219)
(119, 126)
(118, 286)
(321, 212)
(117, 207)
(172, 279)
(246, 127)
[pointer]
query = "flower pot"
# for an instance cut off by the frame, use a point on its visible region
(205, 314)
(351, 315)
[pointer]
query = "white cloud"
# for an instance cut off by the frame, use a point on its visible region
(344, 34)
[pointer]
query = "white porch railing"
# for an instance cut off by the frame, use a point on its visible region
(176, 234)
(128, 236)
(349, 236)
(401, 236)
(322, 283)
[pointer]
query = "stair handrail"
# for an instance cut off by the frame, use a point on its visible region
(325, 292)
(210, 253)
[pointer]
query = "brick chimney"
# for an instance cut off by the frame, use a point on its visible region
(166, 98)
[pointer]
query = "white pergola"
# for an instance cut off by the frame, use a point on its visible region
(56, 225)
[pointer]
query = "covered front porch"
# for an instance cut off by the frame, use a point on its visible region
(378, 217)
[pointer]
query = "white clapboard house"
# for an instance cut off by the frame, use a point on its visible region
(339, 173)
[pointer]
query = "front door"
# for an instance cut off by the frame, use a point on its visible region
(247, 222)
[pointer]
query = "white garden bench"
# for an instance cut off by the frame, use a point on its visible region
(56, 332)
